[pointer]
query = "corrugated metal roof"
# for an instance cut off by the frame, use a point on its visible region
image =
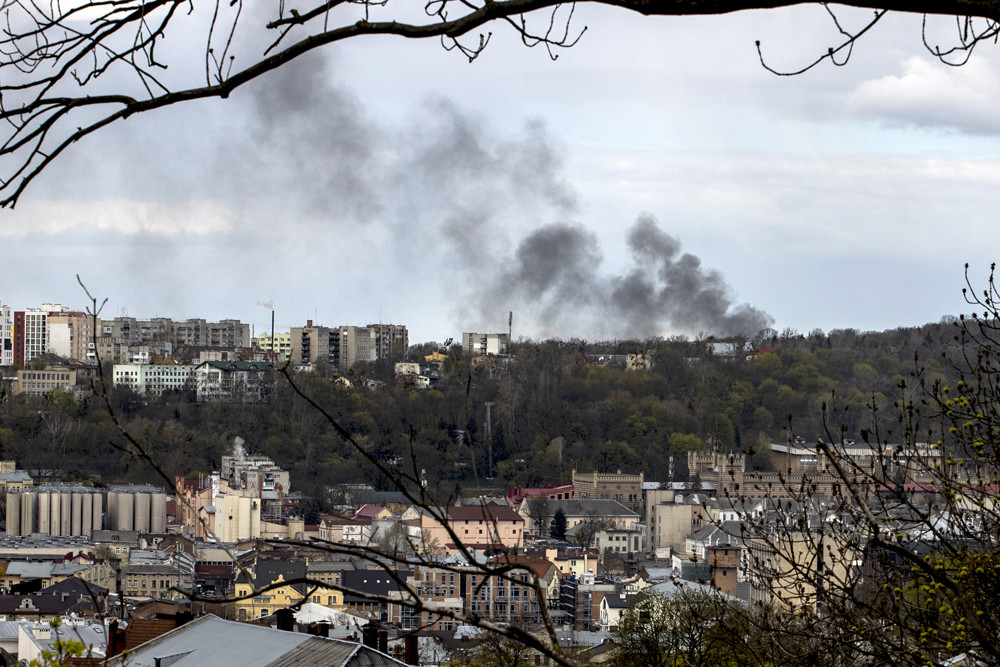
(8, 630)
(210, 640)
(316, 651)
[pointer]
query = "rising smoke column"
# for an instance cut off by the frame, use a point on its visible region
(553, 278)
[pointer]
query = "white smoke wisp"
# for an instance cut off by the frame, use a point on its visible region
(239, 452)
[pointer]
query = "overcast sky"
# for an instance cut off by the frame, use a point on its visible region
(654, 180)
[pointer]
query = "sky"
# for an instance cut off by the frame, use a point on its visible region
(653, 180)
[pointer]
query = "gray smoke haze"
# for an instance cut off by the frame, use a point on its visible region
(448, 201)
(554, 278)
(309, 144)
(439, 209)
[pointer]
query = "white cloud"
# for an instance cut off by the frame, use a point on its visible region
(934, 95)
(126, 216)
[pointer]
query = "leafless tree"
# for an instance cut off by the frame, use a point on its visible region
(393, 556)
(887, 552)
(72, 67)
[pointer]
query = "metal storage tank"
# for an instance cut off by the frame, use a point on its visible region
(158, 513)
(112, 510)
(13, 513)
(76, 525)
(55, 511)
(141, 519)
(65, 513)
(29, 503)
(97, 522)
(44, 502)
(86, 513)
(125, 515)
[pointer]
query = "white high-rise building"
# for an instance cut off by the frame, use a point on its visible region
(6, 336)
(36, 329)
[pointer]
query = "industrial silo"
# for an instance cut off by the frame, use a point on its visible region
(13, 513)
(112, 522)
(97, 520)
(44, 502)
(141, 518)
(65, 513)
(76, 525)
(55, 513)
(125, 515)
(29, 505)
(158, 513)
(86, 513)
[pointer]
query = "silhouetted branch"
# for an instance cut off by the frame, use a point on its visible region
(69, 70)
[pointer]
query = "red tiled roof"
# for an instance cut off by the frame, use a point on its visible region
(369, 511)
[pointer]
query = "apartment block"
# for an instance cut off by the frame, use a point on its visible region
(154, 379)
(343, 347)
(310, 345)
(280, 344)
(73, 335)
(391, 340)
(192, 332)
(6, 336)
(485, 344)
(30, 335)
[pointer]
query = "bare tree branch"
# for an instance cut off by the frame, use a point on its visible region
(67, 71)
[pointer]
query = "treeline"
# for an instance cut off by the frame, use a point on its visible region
(551, 409)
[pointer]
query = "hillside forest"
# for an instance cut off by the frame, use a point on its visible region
(553, 407)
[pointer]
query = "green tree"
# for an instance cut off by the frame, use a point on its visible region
(557, 531)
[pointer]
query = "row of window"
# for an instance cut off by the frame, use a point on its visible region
(45, 376)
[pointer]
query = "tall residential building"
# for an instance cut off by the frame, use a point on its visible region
(314, 344)
(194, 332)
(280, 344)
(72, 335)
(485, 344)
(6, 336)
(391, 341)
(31, 331)
(343, 347)
(357, 344)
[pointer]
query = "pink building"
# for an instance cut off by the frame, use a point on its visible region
(480, 527)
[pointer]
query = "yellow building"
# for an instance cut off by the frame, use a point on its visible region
(281, 344)
(249, 606)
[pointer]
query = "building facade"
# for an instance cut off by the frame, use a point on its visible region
(485, 344)
(626, 488)
(6, 336)
(154, 379)
(73, 335)
(30, 335)
(279, 344)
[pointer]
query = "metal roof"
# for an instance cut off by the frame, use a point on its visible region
(210, 640)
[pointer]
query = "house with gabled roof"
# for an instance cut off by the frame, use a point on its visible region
(372, 512)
